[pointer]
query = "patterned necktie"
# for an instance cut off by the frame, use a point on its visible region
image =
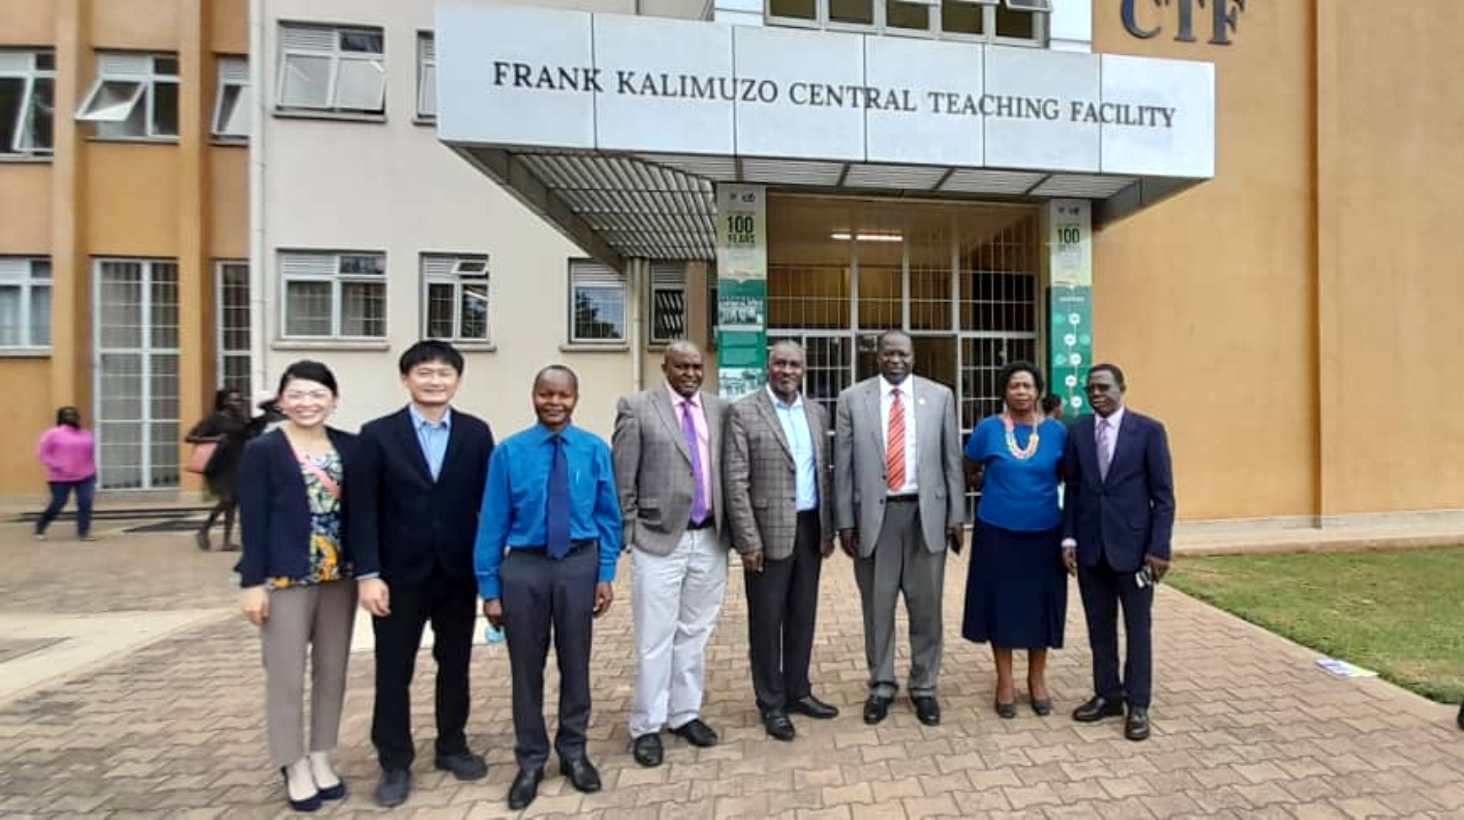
(895, 444)
(1105, 447)
(556, 507)
(699, 494)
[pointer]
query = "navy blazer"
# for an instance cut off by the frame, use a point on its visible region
(406, 524)
(274, 512)
(1129, 515)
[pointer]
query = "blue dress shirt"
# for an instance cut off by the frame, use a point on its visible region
(1018, 494)
(432, 438)
(794, 420)
(516, 495)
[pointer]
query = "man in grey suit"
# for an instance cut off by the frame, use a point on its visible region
(776, 478)
(899, 501)
(668, 458)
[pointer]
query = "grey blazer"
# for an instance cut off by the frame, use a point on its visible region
(653, 469)
(859, 463)
(760, 480)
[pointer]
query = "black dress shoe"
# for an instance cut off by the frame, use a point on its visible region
(696, 733)
(1461, 716)
(814, 708)
(647, 750)
(581, 772)
(1096, 709)
(394, 787)
(779, 726)
(524, 789)
(464, 765)
(1005, 711)
(876, 708)
(1137, 725)
(927, 709)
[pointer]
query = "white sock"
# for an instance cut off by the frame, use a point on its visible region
(320, 768)
(299, 782)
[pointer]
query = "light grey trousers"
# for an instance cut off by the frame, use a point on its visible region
(899, 564)
(317, 620)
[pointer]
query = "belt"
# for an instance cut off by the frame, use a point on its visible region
(907, 498)
(574, 546)
(701, 525)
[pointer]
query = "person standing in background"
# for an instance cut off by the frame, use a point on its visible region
(227, 428)
(69, 454)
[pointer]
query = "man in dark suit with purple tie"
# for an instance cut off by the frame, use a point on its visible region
(1118, 517)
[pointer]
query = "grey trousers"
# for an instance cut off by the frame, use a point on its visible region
(899, 564)
(318, 619)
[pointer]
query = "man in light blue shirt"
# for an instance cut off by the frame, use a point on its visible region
(433, 437)
(776, 483)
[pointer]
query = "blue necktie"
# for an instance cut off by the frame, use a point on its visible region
(556, 529)
(698, 496)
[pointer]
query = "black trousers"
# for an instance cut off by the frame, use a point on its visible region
(782, 607)
(1104, 589)
(451, 606)
(544, 598)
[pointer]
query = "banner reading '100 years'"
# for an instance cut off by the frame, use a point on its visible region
(742, 288)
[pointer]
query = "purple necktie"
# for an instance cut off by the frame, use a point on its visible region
(699, 496)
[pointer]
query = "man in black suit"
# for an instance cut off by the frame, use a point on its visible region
(1118, 516)
(427, 464)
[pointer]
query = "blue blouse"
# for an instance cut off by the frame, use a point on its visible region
(1019, 495)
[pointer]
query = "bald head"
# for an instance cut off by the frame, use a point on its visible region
(683, 368)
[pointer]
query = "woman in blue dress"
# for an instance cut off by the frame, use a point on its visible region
(1016, 588)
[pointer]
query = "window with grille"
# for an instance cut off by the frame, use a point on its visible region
(455, 297)
(1015, 22)
(597, 302)
(426, 76)
(334, 294)
(668, 302)
(232, 288)
(25, 302)
(233, 108)
(330, 69)
(27, 102)
(135, 96)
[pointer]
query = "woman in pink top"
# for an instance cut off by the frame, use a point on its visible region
(69, 454)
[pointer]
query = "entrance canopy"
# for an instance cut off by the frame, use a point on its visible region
(616, 127)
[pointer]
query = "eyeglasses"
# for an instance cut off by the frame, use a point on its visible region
(307, 395)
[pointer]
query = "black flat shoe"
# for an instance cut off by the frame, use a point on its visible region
(524, 789)
(1097, 709)
(394, 787)
(581, 772)
(647, 750)
(696, 733)
(464, 765)
(311, 803)
(1006, 711)
(927, 709)
(336, 792)
(1043, 708)
(1136, 727)
(779, 727)
(1461, 716)
(876, 708)
(814, 708)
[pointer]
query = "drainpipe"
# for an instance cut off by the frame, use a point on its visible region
(635, 274)
(258, 255)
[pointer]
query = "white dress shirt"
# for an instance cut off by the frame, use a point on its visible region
(906, 390)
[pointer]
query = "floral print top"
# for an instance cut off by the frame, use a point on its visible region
(325, 525)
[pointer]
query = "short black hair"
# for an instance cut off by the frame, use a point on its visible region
(221, 397)
(892, 332)
(1005, 379)
(61, 411)
(1051, 402)
(558, 368)
(310, 371)
(430, 350)
(1111, 368)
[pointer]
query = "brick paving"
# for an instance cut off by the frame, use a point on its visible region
(1244, 725)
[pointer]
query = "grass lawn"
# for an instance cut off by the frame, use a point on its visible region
(1400, 612)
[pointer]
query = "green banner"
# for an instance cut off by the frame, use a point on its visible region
(1070, 301)
(742, 289)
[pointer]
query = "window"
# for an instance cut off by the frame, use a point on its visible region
(332, 69)
(27, 102)
(1017, 22)
(233, 108)
(25, 302)
(455, 297)
(135, 97)
(426, 76)
(334, 294)
(597, 302)
(668, 302)
(232, 287)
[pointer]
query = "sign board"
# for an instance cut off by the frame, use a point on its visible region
(1070, 303)
(742, 289)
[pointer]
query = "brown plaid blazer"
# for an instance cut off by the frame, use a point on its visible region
(759, 480)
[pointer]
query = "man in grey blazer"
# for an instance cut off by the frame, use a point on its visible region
(776, 477)
(899, 502)
(668, 458)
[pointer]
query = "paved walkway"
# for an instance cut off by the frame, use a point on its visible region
(130, 723)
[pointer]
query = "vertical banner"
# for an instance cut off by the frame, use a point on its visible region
(742, 289)
(1070, 301)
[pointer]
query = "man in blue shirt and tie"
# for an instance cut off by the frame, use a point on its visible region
(548, 539)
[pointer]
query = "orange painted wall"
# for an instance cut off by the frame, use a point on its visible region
(228, 210)
(28, 414)
(25, 208)
(1207, 300)
(229, 20)
(28, 23)
(135, 213)
(136, 24)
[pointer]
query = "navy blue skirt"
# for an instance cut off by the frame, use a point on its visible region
(1016, 589)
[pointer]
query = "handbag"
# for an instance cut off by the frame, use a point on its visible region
(200, 457)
